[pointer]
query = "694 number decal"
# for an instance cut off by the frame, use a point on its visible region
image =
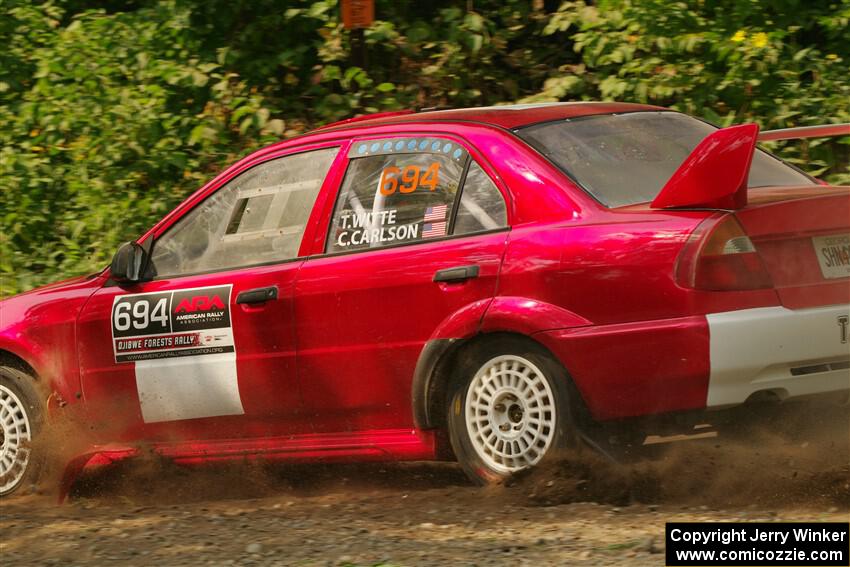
(409, 179)
(141, 314)
(145, 314)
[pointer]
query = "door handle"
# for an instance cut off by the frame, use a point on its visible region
(258, 295)
(458, 274)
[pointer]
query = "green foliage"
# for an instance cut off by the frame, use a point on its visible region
(113, 120)
(779, 63)
(110, 116)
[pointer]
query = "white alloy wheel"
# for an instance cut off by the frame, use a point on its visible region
(510, 413)
(15, 435)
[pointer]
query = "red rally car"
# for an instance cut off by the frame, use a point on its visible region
(483, 284)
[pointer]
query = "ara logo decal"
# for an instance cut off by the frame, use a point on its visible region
(199, 303)
(200, 308)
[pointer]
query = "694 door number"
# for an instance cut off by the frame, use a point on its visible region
(142, 315)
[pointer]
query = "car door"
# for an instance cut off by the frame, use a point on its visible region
(206, 348)
(369, 301)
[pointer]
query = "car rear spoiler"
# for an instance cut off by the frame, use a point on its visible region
(804, 132)
(715, 174)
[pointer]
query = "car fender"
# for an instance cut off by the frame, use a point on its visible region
(520, 315)
(527, 316)
(11, 350)
(52, 375)
(39, 328)
(462, 324)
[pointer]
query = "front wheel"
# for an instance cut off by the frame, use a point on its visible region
(508, 409)
(20, 418)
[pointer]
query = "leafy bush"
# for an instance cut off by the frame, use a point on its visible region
(110, 116)
(779, 63)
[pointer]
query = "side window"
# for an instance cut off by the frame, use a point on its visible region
(396, 190)
(257, 217)
(482, 206)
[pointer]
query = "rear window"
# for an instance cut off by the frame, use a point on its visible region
(625, 159)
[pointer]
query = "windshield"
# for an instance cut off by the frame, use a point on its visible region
(625, 159)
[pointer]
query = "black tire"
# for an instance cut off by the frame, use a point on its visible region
(486, 470)
(20, 461)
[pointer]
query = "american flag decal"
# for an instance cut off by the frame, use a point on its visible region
(435, 213)
(432, 229)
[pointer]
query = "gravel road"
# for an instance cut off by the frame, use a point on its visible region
(579, 511)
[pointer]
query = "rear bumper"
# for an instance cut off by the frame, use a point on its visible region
(785, 352)
(704, 361)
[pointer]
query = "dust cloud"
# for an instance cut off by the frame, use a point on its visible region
(805, 465)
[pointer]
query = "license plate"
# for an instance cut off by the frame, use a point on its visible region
(833, 254)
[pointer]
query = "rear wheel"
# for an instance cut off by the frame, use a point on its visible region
(509, 409)
(20, 419)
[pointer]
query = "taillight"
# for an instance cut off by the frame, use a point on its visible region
(720, 256)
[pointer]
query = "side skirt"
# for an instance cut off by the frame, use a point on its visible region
(362, 446)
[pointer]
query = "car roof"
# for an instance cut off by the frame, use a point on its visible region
(508, 116)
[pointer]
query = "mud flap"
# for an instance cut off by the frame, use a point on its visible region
(99, 456)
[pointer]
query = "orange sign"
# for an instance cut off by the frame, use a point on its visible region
(358, 13)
